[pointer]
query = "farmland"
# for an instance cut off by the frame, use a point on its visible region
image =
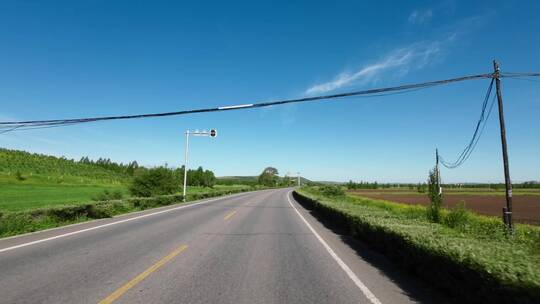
(526, 202)
(31, 181)
(24, 197)
(41, 191)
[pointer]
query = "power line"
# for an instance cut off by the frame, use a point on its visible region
(480, 125)
(525, 79)
(11, 126)
(514, 74)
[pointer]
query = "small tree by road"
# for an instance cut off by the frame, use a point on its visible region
(434, 209)
(269, 177)
(156, 181)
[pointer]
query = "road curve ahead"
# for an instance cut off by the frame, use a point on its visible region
(257, 247)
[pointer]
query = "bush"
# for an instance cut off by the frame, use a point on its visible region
(332, 191)
(108, 195)
(434, 209)
(19, 176)
(458, 217)
(157, 181)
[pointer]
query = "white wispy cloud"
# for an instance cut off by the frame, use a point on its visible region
(420, 16)
(400, 61)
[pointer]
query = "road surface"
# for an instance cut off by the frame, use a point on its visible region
(257, 247)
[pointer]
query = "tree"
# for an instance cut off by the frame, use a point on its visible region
(271, 171)
(268, 177)
(156, 181)
(434, 209)
(209, 179)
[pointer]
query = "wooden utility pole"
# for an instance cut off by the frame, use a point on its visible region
(507, 211)
(439, 188)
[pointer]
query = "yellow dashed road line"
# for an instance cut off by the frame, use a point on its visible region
(229, 215)
(120, 291)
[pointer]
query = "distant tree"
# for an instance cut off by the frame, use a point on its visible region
(131, 168)
(209, 179)
(269, 177)
(198, 177)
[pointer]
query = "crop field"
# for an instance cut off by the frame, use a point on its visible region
(22, 197)
(17, 197)
(526, 202)
(31, 181)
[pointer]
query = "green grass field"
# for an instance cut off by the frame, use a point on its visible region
(23, 197)
(19, 197)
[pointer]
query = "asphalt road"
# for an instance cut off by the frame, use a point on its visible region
(257, 247)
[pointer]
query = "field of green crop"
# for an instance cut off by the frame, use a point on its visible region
(31, 181)
(22, 197)
(19, 197)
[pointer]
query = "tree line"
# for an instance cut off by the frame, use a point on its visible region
(21, 163)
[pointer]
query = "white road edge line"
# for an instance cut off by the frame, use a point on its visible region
(371, 297)
(113, 223)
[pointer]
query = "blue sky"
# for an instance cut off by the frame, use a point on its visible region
(66, 59)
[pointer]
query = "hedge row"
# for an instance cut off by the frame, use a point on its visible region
(473, 270)
(13, 223)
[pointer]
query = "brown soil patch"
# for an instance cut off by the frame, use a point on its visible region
(526, 208)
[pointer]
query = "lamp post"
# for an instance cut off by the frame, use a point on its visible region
(211, 133)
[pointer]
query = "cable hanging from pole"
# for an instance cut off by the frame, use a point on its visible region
(480, 125)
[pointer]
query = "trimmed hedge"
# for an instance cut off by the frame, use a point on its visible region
(13, 223)
(473, 269)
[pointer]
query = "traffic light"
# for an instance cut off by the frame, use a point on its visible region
(213, 133)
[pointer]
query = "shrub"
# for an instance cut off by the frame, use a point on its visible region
(157, 181)
(19, 176)
(458, 217)
(332, 191)
(108, 195)
(434, 209)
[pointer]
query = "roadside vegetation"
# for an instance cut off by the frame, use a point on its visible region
(13, 223)
(468, 255)
(41, 191)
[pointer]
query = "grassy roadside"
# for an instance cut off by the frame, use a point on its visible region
(19, 222)
(467, 255)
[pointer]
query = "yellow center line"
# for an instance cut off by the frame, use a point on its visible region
(228, 216)
(120, 291)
